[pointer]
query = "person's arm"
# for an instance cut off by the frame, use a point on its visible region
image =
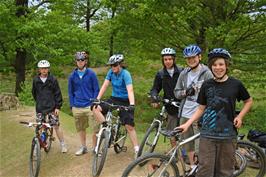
(239, 118)
(70, 92)
(157, 85)
(58, 98)
(95, 86)
(33, 90)
(103, 88)
(180, 88)
(130, 92)
(196, 116)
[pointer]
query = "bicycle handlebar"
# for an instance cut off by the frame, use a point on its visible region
(34, 124)
(111, 105)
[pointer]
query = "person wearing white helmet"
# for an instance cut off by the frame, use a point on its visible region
(82, 87)
(216, 111)
(47, 95)
(122, 94)
(187, 89)
(165, 79)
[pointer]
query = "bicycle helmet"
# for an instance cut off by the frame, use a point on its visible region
(168, 51)
(43, 64)
(191, 51)
(117, 58)
(219, 52)
(81, 56)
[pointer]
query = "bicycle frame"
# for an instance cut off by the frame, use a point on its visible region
(176, 150)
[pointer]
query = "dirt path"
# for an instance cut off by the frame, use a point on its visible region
(57, 164)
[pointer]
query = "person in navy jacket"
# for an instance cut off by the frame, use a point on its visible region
(82, 87)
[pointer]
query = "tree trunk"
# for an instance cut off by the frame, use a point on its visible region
(111, 44)
(20, 67)
(88, 14)
(20, 60)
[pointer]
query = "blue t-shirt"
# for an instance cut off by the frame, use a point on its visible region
(119, 82)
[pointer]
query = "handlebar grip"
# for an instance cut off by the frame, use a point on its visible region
(24, 122)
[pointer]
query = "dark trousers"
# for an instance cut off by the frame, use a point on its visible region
(216, 158)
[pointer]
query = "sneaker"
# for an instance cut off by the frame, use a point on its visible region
(81, 151)
(63, 148)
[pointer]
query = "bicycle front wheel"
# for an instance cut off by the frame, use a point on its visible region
(150, 140)
(99, 154)
(255, 159)
(155, 165)
(120, 138)
(35, 157)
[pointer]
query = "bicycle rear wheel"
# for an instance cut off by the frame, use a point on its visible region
(35, 157)
(155, 165)
(120, 138)
(149, 141)
(255, 159)
(100, 156)
(49, 139)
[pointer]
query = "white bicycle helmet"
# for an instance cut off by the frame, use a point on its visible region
(43, 64)
(168, 51)
(117, 58)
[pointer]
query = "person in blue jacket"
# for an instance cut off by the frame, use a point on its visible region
(82, 87)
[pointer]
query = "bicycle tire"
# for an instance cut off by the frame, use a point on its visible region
(99, 158)
(134, 168)
(49, 139)
(121, 135)
(255, 158)
(241, 163)
(35, 158)
(147, 142)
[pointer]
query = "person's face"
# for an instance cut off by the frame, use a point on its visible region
(115, 67)
(219, 68)
(193, 61)
(44, 71)
(81, 63)
(168, 61)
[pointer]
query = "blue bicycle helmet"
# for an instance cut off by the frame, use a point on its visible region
(81, 56)
(117, 58)
(191, 51)
(168, 51)
(219, 52)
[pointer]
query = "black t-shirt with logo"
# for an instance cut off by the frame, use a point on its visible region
(220, 100)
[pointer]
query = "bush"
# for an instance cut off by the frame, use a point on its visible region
(25, 96)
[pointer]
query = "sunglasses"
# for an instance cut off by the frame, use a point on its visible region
(80, 60)
(114, 65)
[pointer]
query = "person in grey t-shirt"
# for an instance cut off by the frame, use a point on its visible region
(187, 89)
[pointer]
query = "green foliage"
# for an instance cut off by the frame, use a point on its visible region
(25, 97)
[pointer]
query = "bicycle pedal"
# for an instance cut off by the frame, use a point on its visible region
(124, 149)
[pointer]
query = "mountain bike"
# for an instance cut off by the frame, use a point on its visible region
(256, 159)
(111, 133)
(42, 139)
(165, 165)
(152, 135)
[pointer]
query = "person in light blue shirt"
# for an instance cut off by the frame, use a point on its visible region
(82, 87)
(122, 94)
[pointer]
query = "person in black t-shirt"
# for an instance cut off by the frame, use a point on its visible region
(216, 111)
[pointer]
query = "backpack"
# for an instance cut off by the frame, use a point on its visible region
(258, 137)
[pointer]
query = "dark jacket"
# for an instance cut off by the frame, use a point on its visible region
(164, 81)
(46, 95)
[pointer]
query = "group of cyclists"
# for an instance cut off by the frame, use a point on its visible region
(207, 96)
